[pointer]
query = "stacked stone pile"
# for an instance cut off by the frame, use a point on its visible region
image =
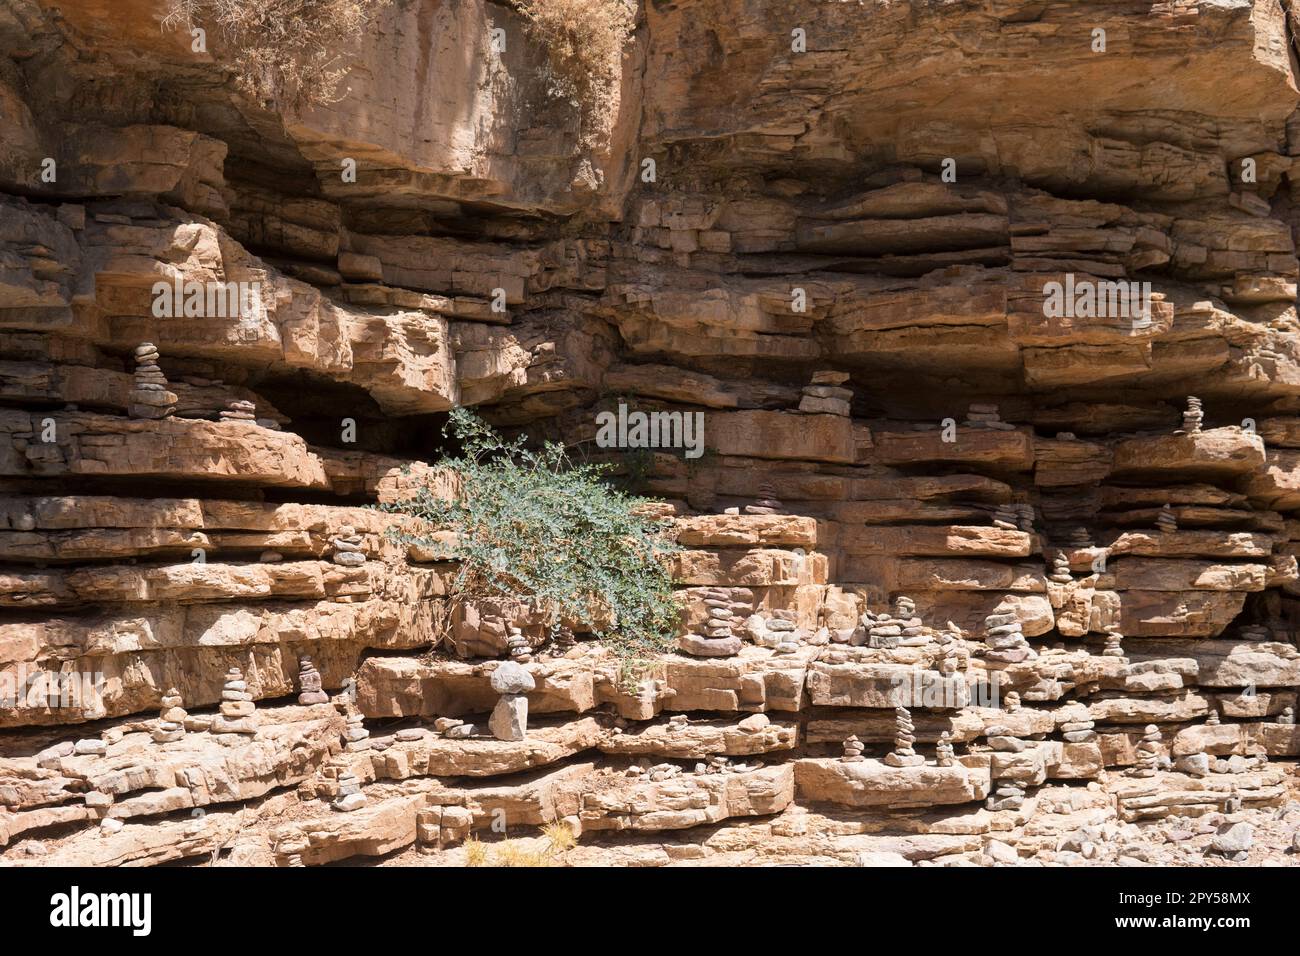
(150, 396)
(826, 396)
(240, 410)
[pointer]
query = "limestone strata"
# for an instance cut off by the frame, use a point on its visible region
(967, 573)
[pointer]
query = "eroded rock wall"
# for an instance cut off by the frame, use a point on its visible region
(922, 485)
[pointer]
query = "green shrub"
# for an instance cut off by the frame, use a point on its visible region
(536, 527)
(285, 50)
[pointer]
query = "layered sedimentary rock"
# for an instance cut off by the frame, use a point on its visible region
(941, 283)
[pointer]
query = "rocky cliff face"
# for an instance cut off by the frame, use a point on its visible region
(967, 575)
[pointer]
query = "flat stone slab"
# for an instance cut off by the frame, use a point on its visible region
(872, 783)
(702, 739)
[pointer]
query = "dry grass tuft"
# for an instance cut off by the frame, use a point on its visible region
(560, 836)
(476, 853)
(584, 42)
(286, 51)
(510, 853)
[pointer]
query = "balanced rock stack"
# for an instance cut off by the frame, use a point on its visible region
(1114, 646)
(1254, 632)
(826, 396)
(150, 397)
(788, 641)
(1166, 521)
(951, 660)
(887, 630)
(1079, 731)
(779, 631)
(509, 720)
(1196, 764)
(309, 683)
(1005, 637)
(1005, 517)
(1193, 416)
(853, 748)
(355, 736)
(237, 708)
(239, 410)
(1011, 702)
(1080, 538)
(1148, 753)
(347, 548)
(1061, 569)
(767, 503)
(986, 416)
(350, 796)
(1007, 795)
(717, 639)
(171, 719)
(1212, 719)
(903, 754)
(521, 652)
(943, 752)
(1025, 517)
(1287, 716)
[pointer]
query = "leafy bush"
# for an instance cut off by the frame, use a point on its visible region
(584, 42)
(535, 527)
(281, 49)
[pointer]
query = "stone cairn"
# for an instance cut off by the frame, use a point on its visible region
(943, 753)
(1196, 764)
(718, 639)
(1061, 569)
(509, 720)
(901, 628)
(309, 683)
(781, 625)
(1079, 731)
(826, 395)
(355, 736)
(150, 397)
(853, 748)
(1011, 702)
(983, 415)
(1006, 518)
(347, 548)
(950, 661)
(238, 712)
(903, 754)
(1114, 646)
(1005, 637)
(350, 796)
(1166, 521)
(239, 410)
(1080, 538)
(1193, 416)
(1148, 753)
(171, 719)
(1212, 719)
(521, 652)
(1007, 794)
(767, 503)
(1025, 517)
(1287, 716)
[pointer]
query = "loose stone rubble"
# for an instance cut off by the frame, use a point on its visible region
(964, 578)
